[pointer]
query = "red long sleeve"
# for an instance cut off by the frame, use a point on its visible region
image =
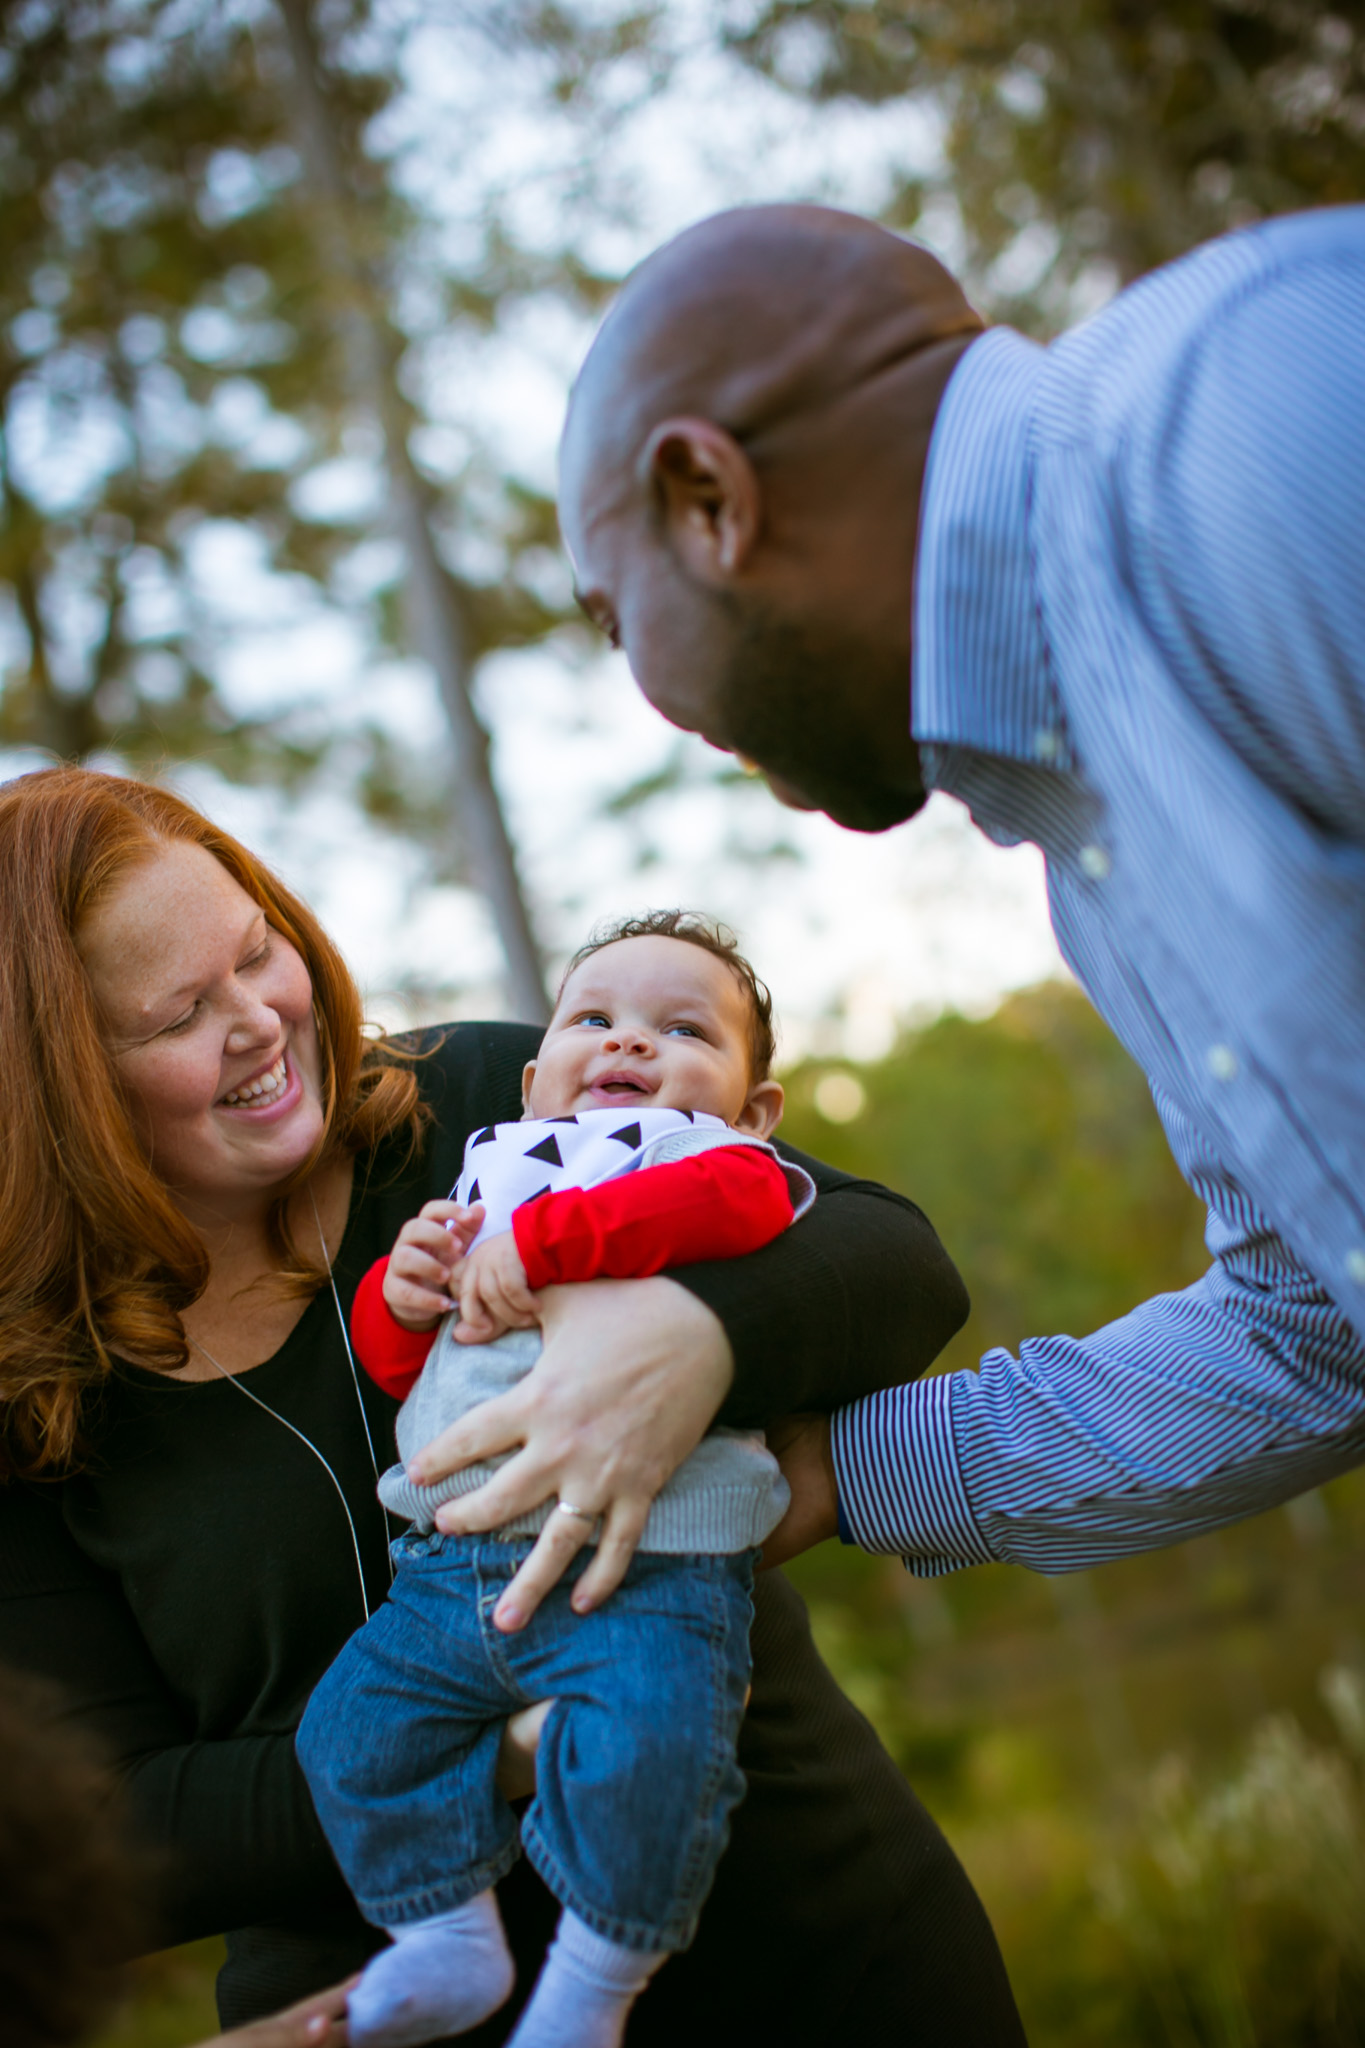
(718, 1205)
(391, 1355)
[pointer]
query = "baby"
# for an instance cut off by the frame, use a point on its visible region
(643, 1145)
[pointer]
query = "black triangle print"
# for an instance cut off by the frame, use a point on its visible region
(487, 1137)
(561, 1119)
(548, 1150)
(474, 1195)
(688, 1114)
(539, 1191)
(629, 1134)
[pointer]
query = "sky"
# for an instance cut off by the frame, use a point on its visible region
(858, 937)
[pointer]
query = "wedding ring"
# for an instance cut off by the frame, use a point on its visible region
(565, 1507)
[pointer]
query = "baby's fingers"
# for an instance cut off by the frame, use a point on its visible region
(421, 1238)
(418, 1304)
(476, 1324)
(511, 1303)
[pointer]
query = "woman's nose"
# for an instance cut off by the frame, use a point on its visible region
(253, 1023)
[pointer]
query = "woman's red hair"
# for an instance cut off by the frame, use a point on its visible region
(96, 1261)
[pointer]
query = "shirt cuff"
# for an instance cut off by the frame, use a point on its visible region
(900, 1484)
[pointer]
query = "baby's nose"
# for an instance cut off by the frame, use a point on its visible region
(631, 1038)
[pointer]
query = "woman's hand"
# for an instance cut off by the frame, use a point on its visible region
(802, 1448)
(629, 1382)
(317, 2022)
(515, 1776)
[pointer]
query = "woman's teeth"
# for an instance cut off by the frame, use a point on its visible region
(263, 1089)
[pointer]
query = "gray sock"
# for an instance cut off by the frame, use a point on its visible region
(442, 1976)
(585, 1991)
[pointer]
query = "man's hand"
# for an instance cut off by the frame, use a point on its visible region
(494, 1293)
(317, 2022)
(425, 1259)
(801, 1446)
(629, 1382)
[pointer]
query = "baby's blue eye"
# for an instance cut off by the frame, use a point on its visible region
(596, 1017)
(683, 1031)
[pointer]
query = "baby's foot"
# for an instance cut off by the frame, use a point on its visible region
(442, 1976)
(584, 1992)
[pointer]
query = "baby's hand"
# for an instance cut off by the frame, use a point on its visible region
(494, 1295)
(429, 1252)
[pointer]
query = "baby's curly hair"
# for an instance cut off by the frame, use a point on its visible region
(693, 929)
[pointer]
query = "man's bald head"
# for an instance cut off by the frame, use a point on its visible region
(739, 488)
(753, 319)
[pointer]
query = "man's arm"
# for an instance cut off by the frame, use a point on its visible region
(1195, 1410)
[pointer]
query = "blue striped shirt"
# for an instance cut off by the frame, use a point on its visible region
(1140, 643)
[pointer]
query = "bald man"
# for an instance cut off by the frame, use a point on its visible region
(1111, 594)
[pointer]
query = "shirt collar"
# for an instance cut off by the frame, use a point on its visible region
(980, 667)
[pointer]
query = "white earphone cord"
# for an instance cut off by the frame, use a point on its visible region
(307, 1441)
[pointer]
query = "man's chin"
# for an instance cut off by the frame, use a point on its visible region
(856, 810)
(876, 817)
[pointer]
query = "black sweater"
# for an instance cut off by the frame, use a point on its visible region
(189, 1587)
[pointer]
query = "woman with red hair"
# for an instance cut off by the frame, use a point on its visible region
(201, 1155)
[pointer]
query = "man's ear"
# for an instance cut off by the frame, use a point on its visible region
(762, 1111)
(528, 1075)
(709, 494)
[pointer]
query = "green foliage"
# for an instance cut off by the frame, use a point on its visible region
(1242, 1898)
(1091, 132)
(169, 2001)
(1031, 1141)
(154, 293)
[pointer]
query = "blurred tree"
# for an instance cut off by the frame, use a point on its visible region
(149, 378)
(174, 382)
(1031, 1141)
(1087, 140)
(442, 625)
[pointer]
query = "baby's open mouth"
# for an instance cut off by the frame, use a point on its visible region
(263, 1090)
(619, 1084)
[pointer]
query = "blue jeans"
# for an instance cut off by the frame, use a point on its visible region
(636, 1773)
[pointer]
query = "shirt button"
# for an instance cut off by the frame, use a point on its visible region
(1355, 1266)
(1047, 745)
(1222, 1062)
(1095, 862)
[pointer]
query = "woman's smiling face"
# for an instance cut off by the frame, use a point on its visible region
(208, 1013)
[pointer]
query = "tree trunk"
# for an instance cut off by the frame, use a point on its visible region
(433, 598)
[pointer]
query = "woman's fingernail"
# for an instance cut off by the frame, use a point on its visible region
(416, 1475)
(581, 1604)
(508, 1618)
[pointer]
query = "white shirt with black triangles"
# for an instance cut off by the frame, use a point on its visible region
(506, 1165)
